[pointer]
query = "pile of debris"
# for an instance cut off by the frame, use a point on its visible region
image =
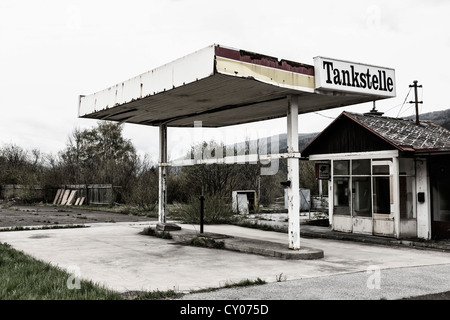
(68, 197)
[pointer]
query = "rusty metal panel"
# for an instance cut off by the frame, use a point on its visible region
(283, 73)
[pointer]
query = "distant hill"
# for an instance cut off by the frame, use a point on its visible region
(441, 118)
(303, 140)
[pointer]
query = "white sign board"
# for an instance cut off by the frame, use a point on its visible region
(344, 76)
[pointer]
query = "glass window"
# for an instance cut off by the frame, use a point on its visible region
(380, 169)
(341, 196)
(381, 195)
(341, 167)
(361, 203)
(361, 167)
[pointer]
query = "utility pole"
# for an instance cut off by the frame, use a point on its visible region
(416, 102)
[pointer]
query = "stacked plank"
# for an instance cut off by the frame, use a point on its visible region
(68, 197)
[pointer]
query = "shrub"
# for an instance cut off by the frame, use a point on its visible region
(216, 210)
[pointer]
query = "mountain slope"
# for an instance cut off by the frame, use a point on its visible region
(441, 118)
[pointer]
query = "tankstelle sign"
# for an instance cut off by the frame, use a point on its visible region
(339, 75)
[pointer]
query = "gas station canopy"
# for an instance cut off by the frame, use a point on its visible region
(221, 86)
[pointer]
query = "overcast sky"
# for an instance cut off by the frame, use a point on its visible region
(53, 51)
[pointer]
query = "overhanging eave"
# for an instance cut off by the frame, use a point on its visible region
(216, 85)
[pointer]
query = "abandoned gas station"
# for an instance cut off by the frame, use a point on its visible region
(221, 86)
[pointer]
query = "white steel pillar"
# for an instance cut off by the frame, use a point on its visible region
(162, 195)
(293, 190)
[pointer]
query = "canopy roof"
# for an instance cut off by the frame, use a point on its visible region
(217, 85)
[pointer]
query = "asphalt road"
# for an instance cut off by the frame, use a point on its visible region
(373, 284)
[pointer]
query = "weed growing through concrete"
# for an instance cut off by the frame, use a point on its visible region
(206, 242)
(281, 277)
(242, 283)
(150, 295)
(159, 234)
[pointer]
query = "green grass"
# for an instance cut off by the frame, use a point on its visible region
(25, 278)
(207, 243)
(20, 228)
(242, 283)
(154, 233)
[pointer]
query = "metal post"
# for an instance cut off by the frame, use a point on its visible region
(162, 195)
(293, 191)
(202, 211)
(416, 101)
(258, 201)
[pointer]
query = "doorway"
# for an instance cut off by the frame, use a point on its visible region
(440, 192)
(382, 198)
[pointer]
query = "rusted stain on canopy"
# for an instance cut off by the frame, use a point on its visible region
(217, 85)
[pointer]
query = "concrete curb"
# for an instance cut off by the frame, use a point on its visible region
(272, 249)
(247, 245)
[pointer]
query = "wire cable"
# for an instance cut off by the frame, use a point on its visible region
(404, 102)
(324, 116)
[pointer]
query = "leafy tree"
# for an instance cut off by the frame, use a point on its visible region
(18, 166)
(100, 155)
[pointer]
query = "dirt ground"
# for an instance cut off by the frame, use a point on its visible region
(21, 216)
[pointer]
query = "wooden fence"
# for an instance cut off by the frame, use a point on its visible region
(22, 192)
(95, 194)
(79, 194)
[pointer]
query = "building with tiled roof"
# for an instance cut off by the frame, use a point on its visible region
(387, 176)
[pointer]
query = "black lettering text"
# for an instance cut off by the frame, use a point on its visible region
(337, 77)
(368, 79)
(362, 78)
(355, 75)
(375, 82)
(346, 78)
(390, 84)
(329, 67)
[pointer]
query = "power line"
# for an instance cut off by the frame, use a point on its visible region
(324, 116)
(404, 102)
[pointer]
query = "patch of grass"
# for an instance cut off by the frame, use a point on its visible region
(207, 243)
(281, 277)
(20, 228)
(216, 210)
(25, 278)
(245, 283)
(154, 233)
(242, 283)
(149, 211)
(150, 295)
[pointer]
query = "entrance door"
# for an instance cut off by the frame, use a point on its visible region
(382, 198)
(440, 191)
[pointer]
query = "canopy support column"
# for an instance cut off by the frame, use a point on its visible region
(162, 195)
(293, 191)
